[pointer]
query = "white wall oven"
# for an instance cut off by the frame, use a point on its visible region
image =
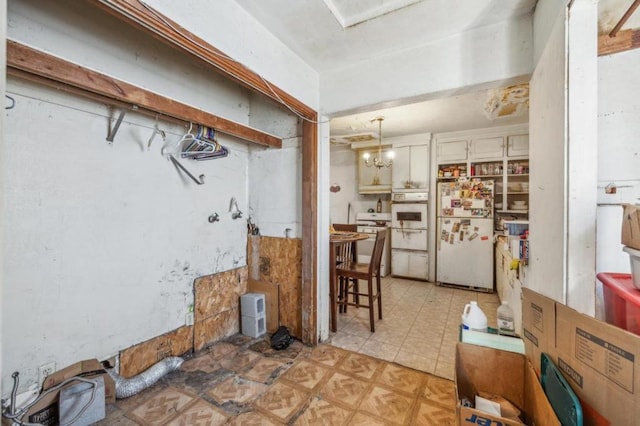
(409, 235)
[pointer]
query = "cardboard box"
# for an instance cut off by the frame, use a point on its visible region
(506, 374)
(601, 362)
(631, 226)
(46, 410)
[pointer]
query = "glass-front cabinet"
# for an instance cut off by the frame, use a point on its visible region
(500, 155)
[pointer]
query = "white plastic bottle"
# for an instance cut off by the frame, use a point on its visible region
(506, 324)
(473, 318)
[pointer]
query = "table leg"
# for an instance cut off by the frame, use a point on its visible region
(332, 286)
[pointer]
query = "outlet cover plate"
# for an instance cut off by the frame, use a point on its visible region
(44, 370)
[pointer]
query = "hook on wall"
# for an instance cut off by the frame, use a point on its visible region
(12, 104)
(233, 207)
(199, 180)
(156, 131)
(215, 217)
(114, 130)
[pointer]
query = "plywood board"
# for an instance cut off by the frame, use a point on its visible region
(140, 357)
(279, 260)
(271, 293)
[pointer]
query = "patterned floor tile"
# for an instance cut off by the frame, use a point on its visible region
(306, 374)
(281, 401)
(345, 389)
(322, 412)
(387, 404)
(241, 361)
(265, 370)
(360, 365)
(328, 355)
(401, 379)
(361, 419)
(236, 389)
(218, 350)
(161, 407)
(199, 414)
(252, 418)
(429, 414)
(204, 363)
(440, 391)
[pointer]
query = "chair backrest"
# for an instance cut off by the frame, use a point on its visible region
(376, 256)
(346, 251)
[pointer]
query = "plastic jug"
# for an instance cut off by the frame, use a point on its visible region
(506, 323)
(473, 318)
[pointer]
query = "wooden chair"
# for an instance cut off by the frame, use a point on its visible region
(351, 272)
(345, 253)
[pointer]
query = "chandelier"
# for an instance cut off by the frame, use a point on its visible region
(378, 162)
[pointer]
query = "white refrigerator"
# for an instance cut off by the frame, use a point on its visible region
(464, 248)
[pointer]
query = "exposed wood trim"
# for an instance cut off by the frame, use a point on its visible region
(624, 18)
(309, 231)
(171, 33)
(624, 40)
(32, 61)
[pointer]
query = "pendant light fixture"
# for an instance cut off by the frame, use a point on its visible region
(378, 162)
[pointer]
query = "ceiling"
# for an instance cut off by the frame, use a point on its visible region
(330, 34)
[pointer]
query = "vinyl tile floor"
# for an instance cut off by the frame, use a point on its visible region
(242, 381)
(419, 326)
(400, 375)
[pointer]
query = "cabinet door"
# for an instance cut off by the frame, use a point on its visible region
(452, 151)
(401, 167)
(518, 145)
(486, 148)
(420, 166)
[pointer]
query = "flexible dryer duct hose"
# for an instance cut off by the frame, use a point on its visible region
(129, 387)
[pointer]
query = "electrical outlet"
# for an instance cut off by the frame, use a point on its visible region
(189, 318)
(44, 371)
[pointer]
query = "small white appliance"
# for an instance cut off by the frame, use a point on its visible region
(370, 224)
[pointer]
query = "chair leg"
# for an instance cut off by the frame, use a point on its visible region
(342, 294)
(379, 296)
(371, 304)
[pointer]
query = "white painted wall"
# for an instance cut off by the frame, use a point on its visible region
(544, 21)
(582, 154)
(547, 156)
(563, 153)
(497, 53)
(618, 153)
(3, 63)
(102, 243)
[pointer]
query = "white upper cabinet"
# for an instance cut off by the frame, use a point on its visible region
(486, 148)
(518, 146)
(411, 167)
(452, 151)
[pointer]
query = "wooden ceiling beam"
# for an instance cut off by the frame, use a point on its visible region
(624, 18)
(55, 69)
(624, 40)
(159, 26)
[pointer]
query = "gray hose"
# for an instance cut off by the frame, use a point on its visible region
(129, 387)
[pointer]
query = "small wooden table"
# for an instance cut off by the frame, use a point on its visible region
(336, 239)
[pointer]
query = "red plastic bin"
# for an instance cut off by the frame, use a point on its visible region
(621, 301)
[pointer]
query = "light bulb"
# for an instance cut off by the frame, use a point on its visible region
(391, 155)
(365, 156)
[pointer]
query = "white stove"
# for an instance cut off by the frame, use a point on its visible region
(371, 223)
